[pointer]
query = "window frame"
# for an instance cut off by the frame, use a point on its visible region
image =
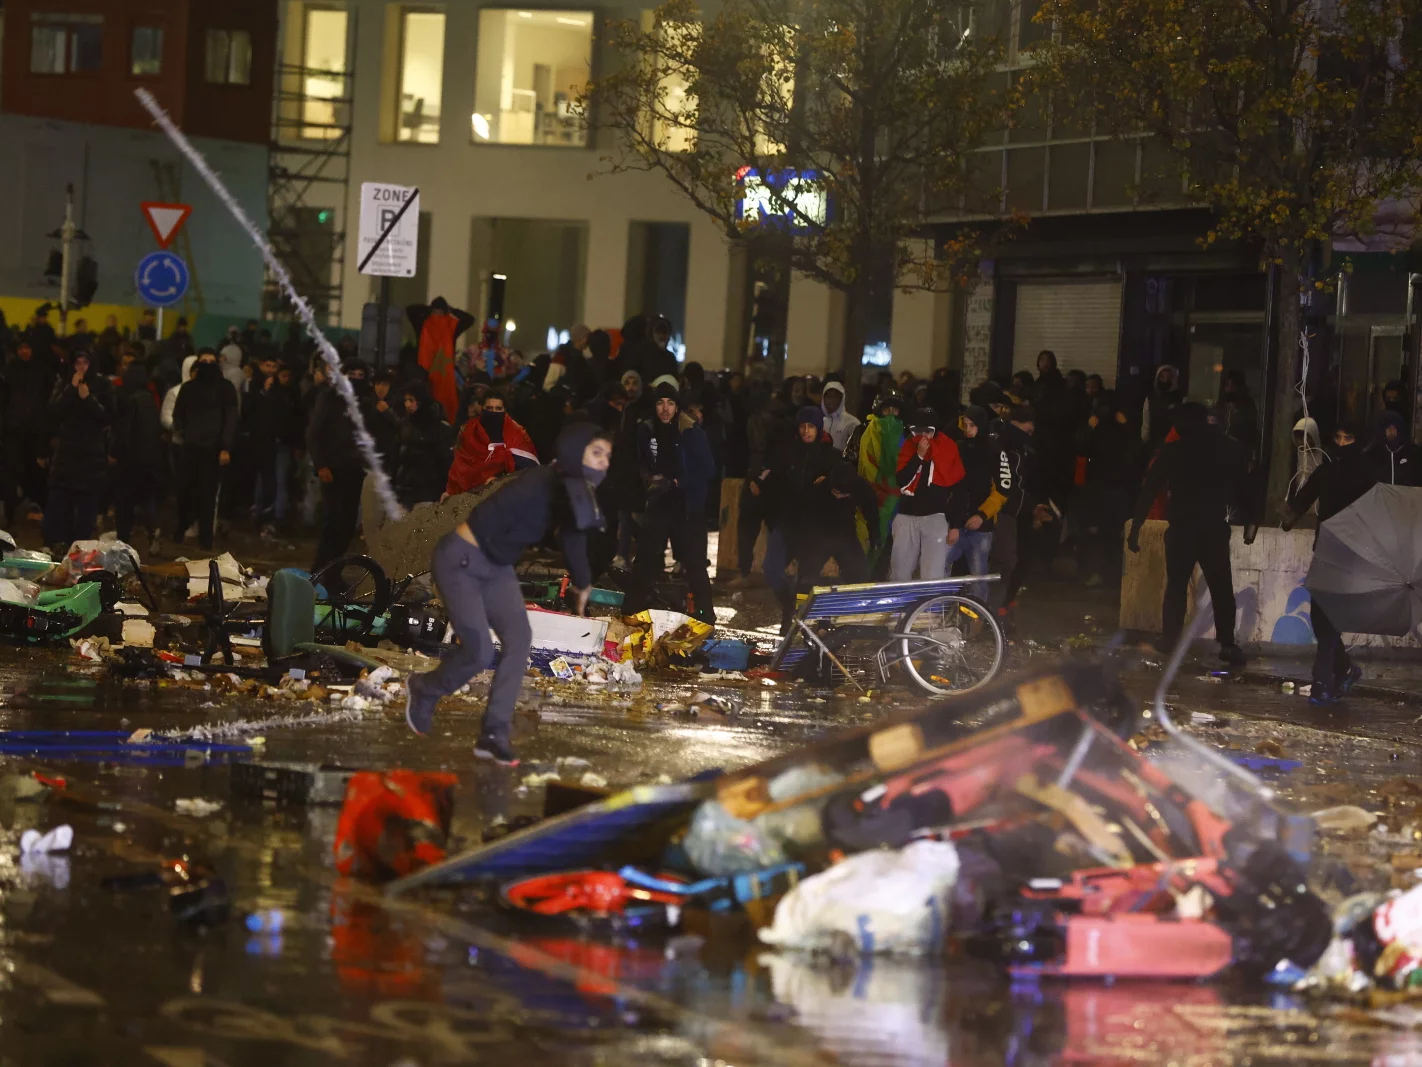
(69, 24)
(133, 31)
(228, 34)
(404, 11)
(594, 15)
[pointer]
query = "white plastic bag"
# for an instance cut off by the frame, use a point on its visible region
(879, 901)
(19, 591)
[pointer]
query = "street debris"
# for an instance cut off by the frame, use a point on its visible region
(57, 840)
(200, 807)
(393, 823)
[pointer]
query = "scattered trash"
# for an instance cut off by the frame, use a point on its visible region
(1287, 687)
(200, 807)
(538, 778)
(560, 668)
(57, 840)
(1344, 819)
(592, 780)
(393, 823)
(719, 703)
(873, 902)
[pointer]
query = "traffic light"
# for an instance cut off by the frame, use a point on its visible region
(86, 282)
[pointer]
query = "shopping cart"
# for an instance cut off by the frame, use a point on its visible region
(945, 641)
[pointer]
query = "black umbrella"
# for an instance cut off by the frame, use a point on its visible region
(1367, 565)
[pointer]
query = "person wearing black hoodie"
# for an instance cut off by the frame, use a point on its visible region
(1207, 475)
(474, 570)
(426, 448)
(79, 415)
(336, 459)
(1343, 477)
(28, 382)
(1109, 447)
(137, 455)
(975, 501)
(676, 467)
(267, 414)
(1392, 458)
(205, 418)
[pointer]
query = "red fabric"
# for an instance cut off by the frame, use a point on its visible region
(437, 357)
(1078, 476)
(478, 460)
(943, 459)
(1162, 501)
(394, 823)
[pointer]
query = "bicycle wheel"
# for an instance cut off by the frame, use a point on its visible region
(357, 593)
(950, 644)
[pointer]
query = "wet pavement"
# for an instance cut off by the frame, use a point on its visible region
(311, 968)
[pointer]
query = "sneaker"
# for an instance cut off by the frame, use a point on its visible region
(1321, 698)
(619, 563)
(496, 749)
(419, 707)
(1233, 655)
(1349, 680)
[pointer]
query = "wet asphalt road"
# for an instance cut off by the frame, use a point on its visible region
(336, 973)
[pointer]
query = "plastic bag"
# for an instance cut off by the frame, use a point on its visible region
(19, 591)
(891, 902)
(718, 843)
(101, 555)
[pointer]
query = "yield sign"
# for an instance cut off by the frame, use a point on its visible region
(165, 220)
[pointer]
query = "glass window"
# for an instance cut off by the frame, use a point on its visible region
(66, 43)
(531, 68)
(146, 50)
(324, 107)
(421, 76)
(229, 57)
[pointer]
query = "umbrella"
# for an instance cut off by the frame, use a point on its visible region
(1367, 564)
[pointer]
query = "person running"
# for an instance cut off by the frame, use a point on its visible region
(473, 568)
(1341, 478)
(1206, 473)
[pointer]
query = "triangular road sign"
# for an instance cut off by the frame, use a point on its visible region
(165, 220)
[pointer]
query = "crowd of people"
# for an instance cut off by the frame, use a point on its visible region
(922, 486)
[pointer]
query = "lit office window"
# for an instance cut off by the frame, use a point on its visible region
(65, 43)
(531, 68)
(324, 108)
(421, 75)
(146, 51)
(672, 116)
(229, 57)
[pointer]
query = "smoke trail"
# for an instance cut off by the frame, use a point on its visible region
(366, 443)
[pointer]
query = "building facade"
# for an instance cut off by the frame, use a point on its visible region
(68, 117)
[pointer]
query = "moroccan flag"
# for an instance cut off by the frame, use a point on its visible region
(437, 357)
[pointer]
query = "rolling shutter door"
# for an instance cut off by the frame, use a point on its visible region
(1078, 320)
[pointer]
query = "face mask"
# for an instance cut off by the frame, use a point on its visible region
(593, 475)
(493, 422)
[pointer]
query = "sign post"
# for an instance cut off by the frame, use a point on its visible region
(389, 243)
(160, 272)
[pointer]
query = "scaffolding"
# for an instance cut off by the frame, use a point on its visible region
(308, 186)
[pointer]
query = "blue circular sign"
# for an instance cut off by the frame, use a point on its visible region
(161, 279)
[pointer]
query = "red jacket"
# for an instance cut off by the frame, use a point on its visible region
(477, 460)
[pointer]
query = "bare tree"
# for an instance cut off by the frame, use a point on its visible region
(1293, 120)
(836, 129)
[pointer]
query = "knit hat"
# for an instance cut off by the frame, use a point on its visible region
(814, 416)
(977, 416)
(666, 391)
(666, 379)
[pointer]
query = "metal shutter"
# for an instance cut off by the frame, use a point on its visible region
(1078, 320)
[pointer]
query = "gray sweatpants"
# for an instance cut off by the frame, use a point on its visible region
(922, 541)
(478, 593)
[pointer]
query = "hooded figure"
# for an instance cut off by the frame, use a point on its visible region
(138, 455)
(205, 419)
(1392, 458)
(489, 447)
(1343, 476)
(676, 467)
(1207, 475)
(929, 467)
(1164, 398)
(79, 417)
(170, 399)
(474, 570)
(839, 423)
(230, 360)
(426, 447)
(977, 499)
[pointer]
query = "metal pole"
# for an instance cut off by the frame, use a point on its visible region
(381, 313)
(66, 233)
(160, 324)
